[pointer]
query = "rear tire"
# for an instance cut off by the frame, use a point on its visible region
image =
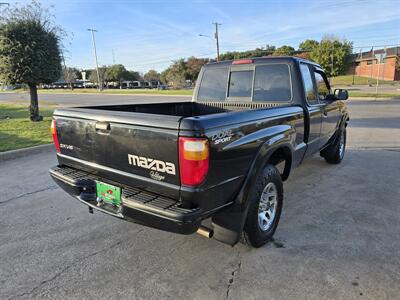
(334, 153)
(265, 208)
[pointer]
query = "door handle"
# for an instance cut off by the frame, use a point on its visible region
(103, 126)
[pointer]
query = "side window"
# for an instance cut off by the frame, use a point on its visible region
(322, 87)
(308, 84)
(272, 83)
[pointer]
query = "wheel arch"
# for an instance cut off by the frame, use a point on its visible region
(228, 224)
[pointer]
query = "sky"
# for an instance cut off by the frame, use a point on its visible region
(152, 34)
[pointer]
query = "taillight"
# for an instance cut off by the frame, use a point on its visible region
(193, 160)
(54, 134)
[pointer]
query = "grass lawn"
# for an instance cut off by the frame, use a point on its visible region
(110, 91)
(373, 95)
(348, 80)
(17, 131)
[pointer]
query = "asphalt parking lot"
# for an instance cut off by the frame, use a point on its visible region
(338, 236)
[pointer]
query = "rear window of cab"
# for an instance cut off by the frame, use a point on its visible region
(261, 83)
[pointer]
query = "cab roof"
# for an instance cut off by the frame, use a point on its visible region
(255, 60)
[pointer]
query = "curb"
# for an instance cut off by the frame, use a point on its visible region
(13, 154)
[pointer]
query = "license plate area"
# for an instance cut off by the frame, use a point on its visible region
(108, 194)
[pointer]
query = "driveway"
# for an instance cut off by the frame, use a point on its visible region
(338, 236)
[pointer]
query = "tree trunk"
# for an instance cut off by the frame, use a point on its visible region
(34, 107)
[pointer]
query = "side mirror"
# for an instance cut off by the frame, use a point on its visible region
(341, 94)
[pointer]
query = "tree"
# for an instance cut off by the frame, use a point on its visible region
(29, 49)
(70, 76)
(284, 50)
(308, 45)
(177, 74)
(333, 55)
(306, 48)
(304, 55)
(193, 67)
(270, 48)
(164, 75)
(102, 75)
(258, 52)
(116, 73)
(152, 75)
(133, 75)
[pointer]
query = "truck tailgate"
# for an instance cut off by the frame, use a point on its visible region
(142, 149)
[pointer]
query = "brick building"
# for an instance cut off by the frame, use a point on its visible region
(382, 64)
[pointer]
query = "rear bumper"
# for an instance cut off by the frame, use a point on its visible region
(138, 206)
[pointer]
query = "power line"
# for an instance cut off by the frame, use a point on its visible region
(166, 61)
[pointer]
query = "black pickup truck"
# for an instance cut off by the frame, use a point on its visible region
(223, 156)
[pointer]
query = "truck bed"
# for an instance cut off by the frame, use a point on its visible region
(107, 140)
(182, 109)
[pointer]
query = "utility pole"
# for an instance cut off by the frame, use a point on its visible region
(383, 61)
(372, 64)
(380, 60)
(95, 56)
(113, 54)
(217, 37)
(332, 61)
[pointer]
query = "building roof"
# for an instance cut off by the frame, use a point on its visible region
(372, 54)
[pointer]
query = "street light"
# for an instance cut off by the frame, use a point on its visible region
(216, 37)
(207, 36)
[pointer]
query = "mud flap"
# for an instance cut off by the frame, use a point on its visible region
(228, 225)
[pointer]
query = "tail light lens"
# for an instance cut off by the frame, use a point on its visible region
(54, 134)
(242, 62)
(193, 160)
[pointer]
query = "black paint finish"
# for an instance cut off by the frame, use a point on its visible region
(97, 140)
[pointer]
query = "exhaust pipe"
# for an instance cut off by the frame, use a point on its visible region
(205, 231)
